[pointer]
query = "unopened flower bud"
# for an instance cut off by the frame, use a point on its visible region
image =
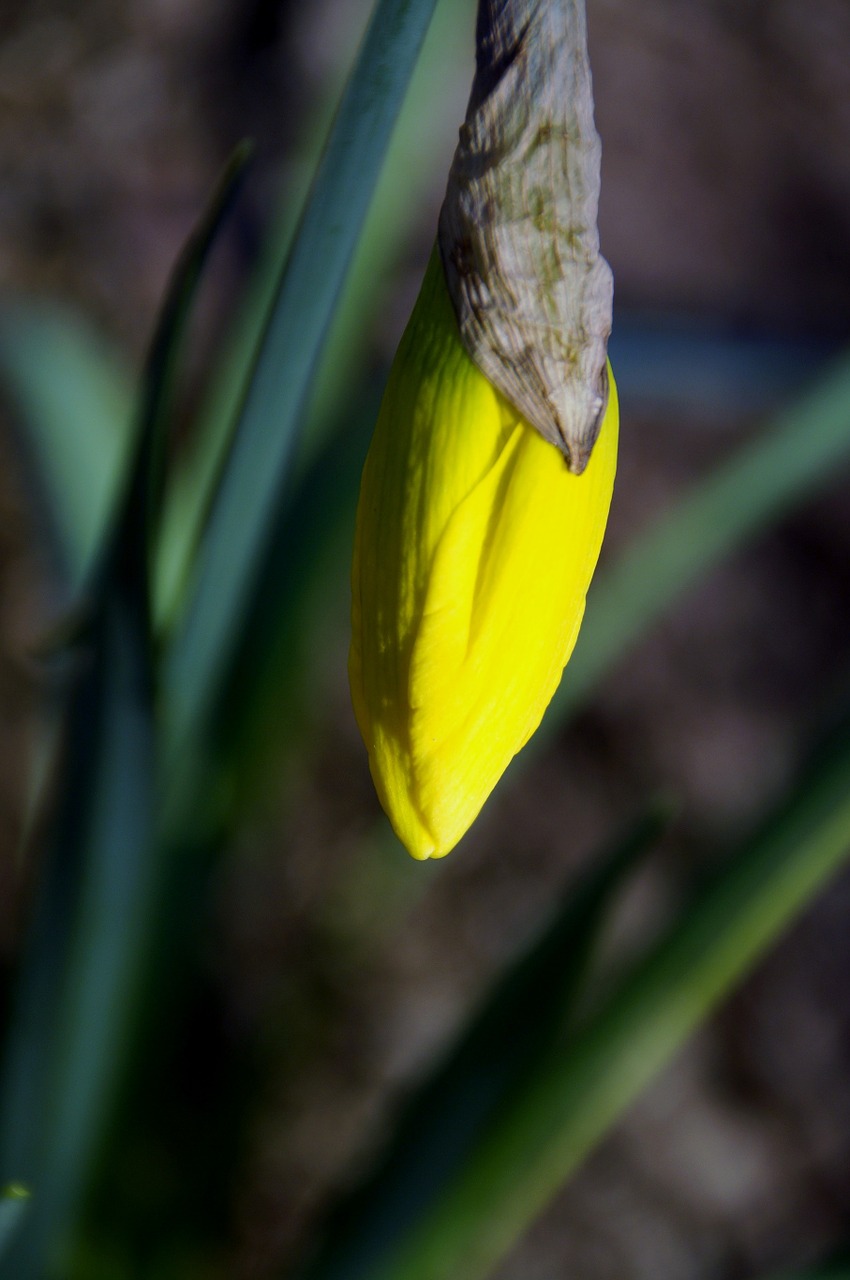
(487, 486)
(474, 549)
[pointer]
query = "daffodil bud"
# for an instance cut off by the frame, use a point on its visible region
(474, 549)
(487, 486)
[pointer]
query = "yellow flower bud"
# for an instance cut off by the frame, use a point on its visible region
(474, 549)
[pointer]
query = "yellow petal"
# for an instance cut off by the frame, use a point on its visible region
(474, 549)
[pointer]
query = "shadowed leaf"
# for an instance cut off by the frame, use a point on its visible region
(527, 1012)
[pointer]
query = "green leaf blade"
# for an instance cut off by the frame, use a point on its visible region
(90, 931)
(274, 404)
(578, 1093)
(528, 1009)
(76, 982)
(801, 449)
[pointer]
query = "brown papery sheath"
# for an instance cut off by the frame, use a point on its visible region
(518, 228)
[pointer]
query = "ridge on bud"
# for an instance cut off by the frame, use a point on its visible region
(474, 549)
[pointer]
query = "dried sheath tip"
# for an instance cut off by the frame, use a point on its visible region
(518, 234)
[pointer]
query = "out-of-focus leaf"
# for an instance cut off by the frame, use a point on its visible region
(191, 488)
(80, 966)
(273, 409)
(88, 935)
(73, 400)
(576, 1092)
(803, 447)
(528, 1010)
(142, 514)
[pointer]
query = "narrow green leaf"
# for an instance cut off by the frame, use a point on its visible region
(192, 487)
(59, 1078)
(73, 401)
(141, 509)
(800, 450)
(528, 1010)
(273, 408)
(576, 1093)
(417, 160)
(92, 917)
